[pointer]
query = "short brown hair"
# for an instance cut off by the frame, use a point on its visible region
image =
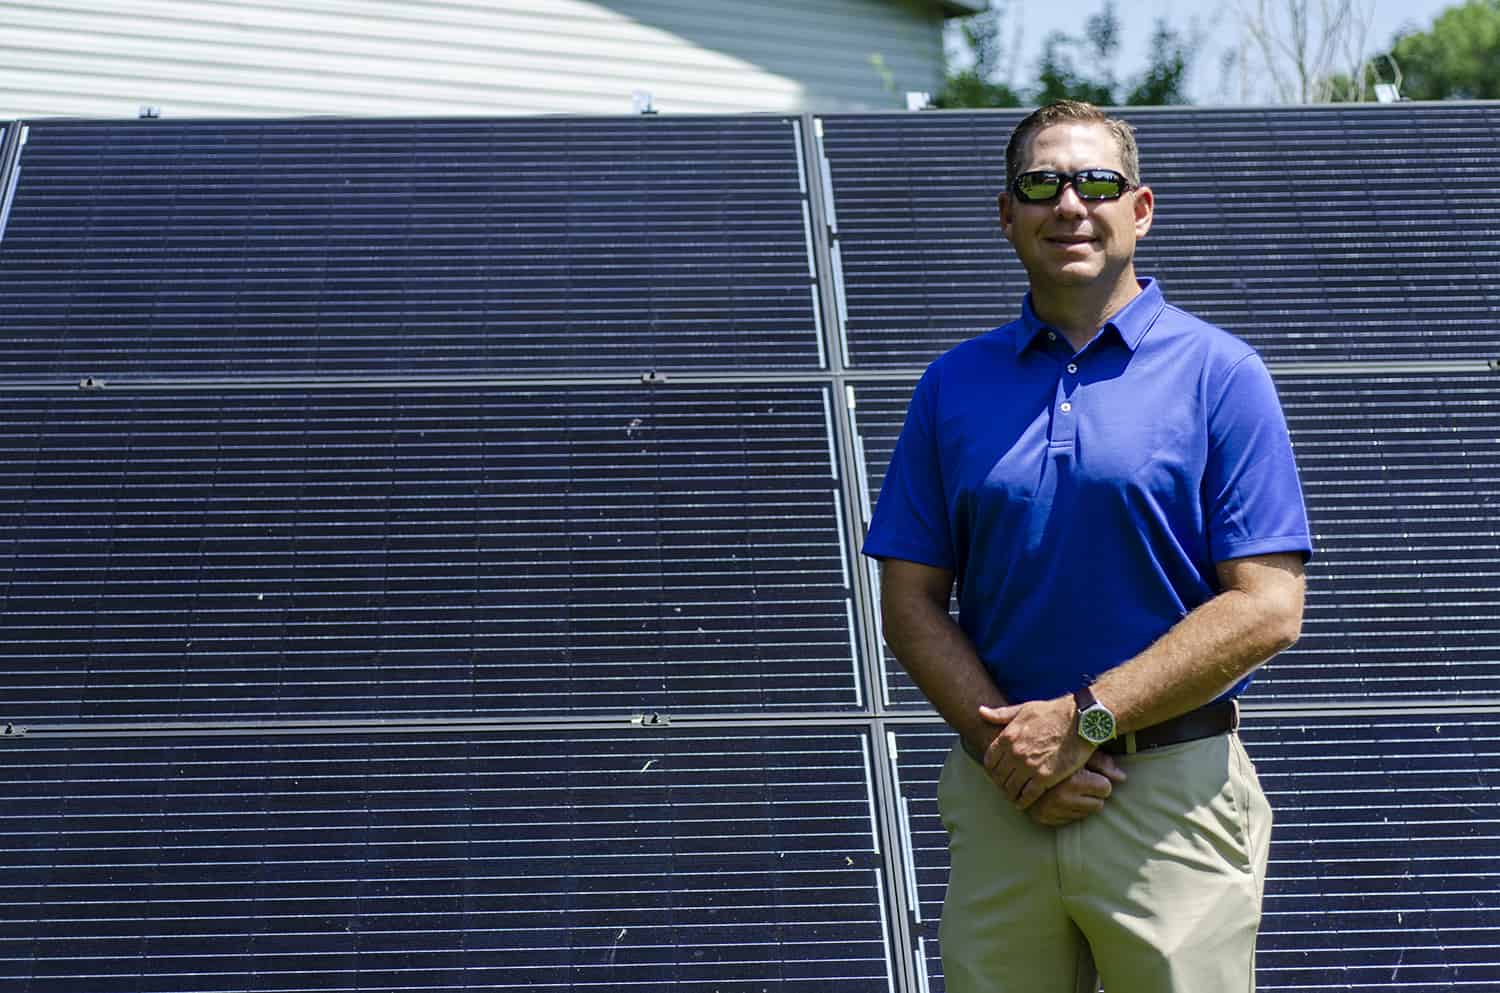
(1071, 112)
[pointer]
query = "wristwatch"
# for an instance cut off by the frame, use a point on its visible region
(1096, 723)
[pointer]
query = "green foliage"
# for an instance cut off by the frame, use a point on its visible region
(977, 86)
(969, 89)
(1165, 78)
(1073, 67)
(1060, 76)
(1458, 58)
(1344, 88)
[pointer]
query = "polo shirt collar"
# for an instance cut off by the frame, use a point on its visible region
(1131, 322)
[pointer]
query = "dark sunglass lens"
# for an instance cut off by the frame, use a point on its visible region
(1099, 184)
(1038, 185)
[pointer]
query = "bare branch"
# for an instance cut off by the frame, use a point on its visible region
(1303, 47)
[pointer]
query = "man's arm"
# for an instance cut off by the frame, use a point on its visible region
(942, 662)
(1258, 614)
(934, 649)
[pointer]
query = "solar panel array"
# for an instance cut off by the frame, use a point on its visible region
(1316, 233)
(433, 551)
(1384, 337)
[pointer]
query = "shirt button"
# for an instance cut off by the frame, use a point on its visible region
(1066, 407)
(1072, 367)
(1051, 335)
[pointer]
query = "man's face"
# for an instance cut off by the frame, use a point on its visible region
(1068, 242)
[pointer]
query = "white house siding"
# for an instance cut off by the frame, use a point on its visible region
(382, 57)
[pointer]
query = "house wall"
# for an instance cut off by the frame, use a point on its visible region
(357, 57)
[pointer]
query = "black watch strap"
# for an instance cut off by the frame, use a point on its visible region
(1084, 698)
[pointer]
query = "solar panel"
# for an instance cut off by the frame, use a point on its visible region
(198, 554)
(158, 249)
(1383, 858)
(1306, 231)
(1401, 474)
(544, 860)
(1402, 479)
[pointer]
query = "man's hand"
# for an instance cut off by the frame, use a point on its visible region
(1036, 749)
(1080, 795)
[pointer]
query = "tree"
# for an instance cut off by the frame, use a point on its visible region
(1457, 59)
(977, 86)
(1165, 79)
(1075, 67)
(968, 89)
(1060, 78)
(1302, 48)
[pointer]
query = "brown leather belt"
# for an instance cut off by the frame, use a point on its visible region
(1205, 722)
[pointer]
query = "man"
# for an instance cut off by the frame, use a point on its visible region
(1110, 483)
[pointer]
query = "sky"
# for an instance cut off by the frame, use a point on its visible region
(1215, 20)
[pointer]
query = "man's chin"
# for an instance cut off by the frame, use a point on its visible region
(1072, 274)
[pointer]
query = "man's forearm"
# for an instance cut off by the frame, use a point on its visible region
(1204, 654)
(1208, 651)
(942, 662)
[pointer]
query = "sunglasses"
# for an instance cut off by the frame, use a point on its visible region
(1090, 184)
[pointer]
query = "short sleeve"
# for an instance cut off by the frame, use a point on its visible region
(910, 520)
(1252, 497)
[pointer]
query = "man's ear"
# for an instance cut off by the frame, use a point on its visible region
(1145, 209)
(1007, 215)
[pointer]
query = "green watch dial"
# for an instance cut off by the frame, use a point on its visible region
(1096, 725)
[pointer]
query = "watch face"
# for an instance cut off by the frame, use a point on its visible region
(1096, 725)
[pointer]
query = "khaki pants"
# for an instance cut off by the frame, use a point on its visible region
(1160, 892)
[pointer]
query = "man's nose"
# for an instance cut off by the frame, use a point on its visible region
(1069, 203)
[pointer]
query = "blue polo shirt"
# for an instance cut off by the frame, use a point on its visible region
(1082, 499)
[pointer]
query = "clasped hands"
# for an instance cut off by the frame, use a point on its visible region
(1043, 766)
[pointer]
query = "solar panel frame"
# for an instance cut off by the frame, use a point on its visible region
(11, 136)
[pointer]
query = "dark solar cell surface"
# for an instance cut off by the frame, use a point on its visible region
(1314, 233)
(1384, 857)
(1401, 475)
(288, 553)
(551, 860)
(151, 249)
(1402, 480)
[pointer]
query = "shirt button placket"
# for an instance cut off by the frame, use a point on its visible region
(1064, 420)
